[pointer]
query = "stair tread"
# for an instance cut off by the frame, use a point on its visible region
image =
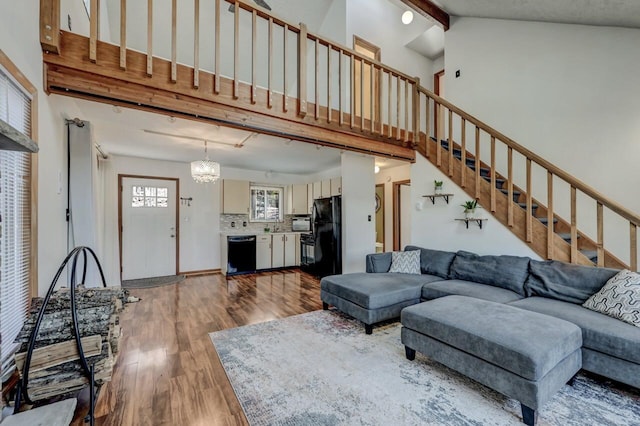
(566, 235)
(590, 254)
(546, 220)
(524, 205)
(506, 191)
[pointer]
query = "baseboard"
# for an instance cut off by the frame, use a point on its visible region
(203, 272)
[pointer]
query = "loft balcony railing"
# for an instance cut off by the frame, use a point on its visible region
(246, 67)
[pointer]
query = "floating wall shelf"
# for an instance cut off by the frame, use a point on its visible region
(13, 140)
(433, 197)
(476, 220)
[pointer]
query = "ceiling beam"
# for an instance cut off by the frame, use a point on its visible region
(430, 10)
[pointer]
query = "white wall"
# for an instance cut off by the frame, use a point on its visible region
(19, 32)
(358, 211)
(435, 226)
(378, 21)
(569, 93)
(388, 177)
(199, 224)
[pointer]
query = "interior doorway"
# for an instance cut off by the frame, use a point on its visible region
(401, 214)
(363, 97)
(380, 217)
(438, 113)
(149, 232)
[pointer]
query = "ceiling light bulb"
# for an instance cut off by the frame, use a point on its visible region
(407, 17)
(376, 169)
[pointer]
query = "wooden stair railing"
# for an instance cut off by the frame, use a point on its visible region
(542, 227)
(323, 102)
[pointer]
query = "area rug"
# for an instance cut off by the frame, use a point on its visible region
(321, 368)
(153, 282)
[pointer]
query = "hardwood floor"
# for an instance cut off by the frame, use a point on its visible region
(168, 372)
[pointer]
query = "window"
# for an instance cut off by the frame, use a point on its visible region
(149, 196)
(16, 272)
(266, 204)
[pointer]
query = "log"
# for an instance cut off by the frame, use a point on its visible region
(55, 369)
(59, 353)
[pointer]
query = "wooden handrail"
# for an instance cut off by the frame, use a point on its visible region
(555, 170)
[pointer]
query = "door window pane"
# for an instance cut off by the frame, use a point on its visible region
(150, 196)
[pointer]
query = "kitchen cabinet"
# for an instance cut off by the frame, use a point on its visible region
(263, 252)
(235, 196)
(289, 250)
(317, 190)
(326, 188)
(336, 186)
(297, 242)
(299, 199)
(309, 198)
(277, 250)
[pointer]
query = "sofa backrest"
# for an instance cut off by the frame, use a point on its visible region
(378, 262)
(565, 281)
(508, 272)
(434, 262)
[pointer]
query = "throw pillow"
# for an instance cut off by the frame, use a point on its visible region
(619, 298)
(405, 262)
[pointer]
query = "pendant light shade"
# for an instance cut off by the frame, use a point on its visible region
(205, 171)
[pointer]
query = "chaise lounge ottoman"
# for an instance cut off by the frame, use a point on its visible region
(372, 298)
(523, 355)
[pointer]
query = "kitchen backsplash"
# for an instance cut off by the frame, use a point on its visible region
(227, 220)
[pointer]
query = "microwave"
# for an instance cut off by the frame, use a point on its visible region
(301, 224)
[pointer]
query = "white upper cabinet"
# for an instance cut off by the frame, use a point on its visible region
(235, 196)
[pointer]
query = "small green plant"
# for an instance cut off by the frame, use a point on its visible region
(470, 206)
(438, 183)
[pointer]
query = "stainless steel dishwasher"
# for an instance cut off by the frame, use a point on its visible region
(241, 254)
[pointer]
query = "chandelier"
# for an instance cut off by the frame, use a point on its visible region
(205, 171)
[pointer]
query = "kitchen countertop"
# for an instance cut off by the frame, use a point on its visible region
(240, 233)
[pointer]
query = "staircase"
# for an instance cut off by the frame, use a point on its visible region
(318, 103)
(587, 248)
(549, 233)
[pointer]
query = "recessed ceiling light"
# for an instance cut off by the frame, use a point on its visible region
(407, 17)
(116, 109)
(376, 169)
(171, 119)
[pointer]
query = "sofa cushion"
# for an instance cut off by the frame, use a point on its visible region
(619, 298)
(438, 289)
(599, 332)
(378, 262)
(527, 344)
(374, 291)
(405, 262)
(434, 262)
(564, 281)
(508, 272)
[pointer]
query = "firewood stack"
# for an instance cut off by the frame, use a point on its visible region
(55, 368)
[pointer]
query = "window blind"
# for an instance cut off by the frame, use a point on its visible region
(15, 225)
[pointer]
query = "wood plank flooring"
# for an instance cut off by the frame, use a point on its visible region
(168, 372)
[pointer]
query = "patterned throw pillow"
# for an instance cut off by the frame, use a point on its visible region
(619, 298)
(405, 262)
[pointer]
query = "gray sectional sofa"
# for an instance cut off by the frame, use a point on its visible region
(610, 347)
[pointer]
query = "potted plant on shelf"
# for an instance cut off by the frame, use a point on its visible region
(470, 209)
(438, 186)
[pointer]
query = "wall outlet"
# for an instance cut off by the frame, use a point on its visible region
(233, 224)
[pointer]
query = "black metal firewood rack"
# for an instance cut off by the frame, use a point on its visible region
(22, 392)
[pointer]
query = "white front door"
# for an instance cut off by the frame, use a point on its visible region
(148, 228)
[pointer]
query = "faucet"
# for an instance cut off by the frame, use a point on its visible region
(275, 227)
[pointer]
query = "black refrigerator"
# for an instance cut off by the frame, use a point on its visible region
(327, 235)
